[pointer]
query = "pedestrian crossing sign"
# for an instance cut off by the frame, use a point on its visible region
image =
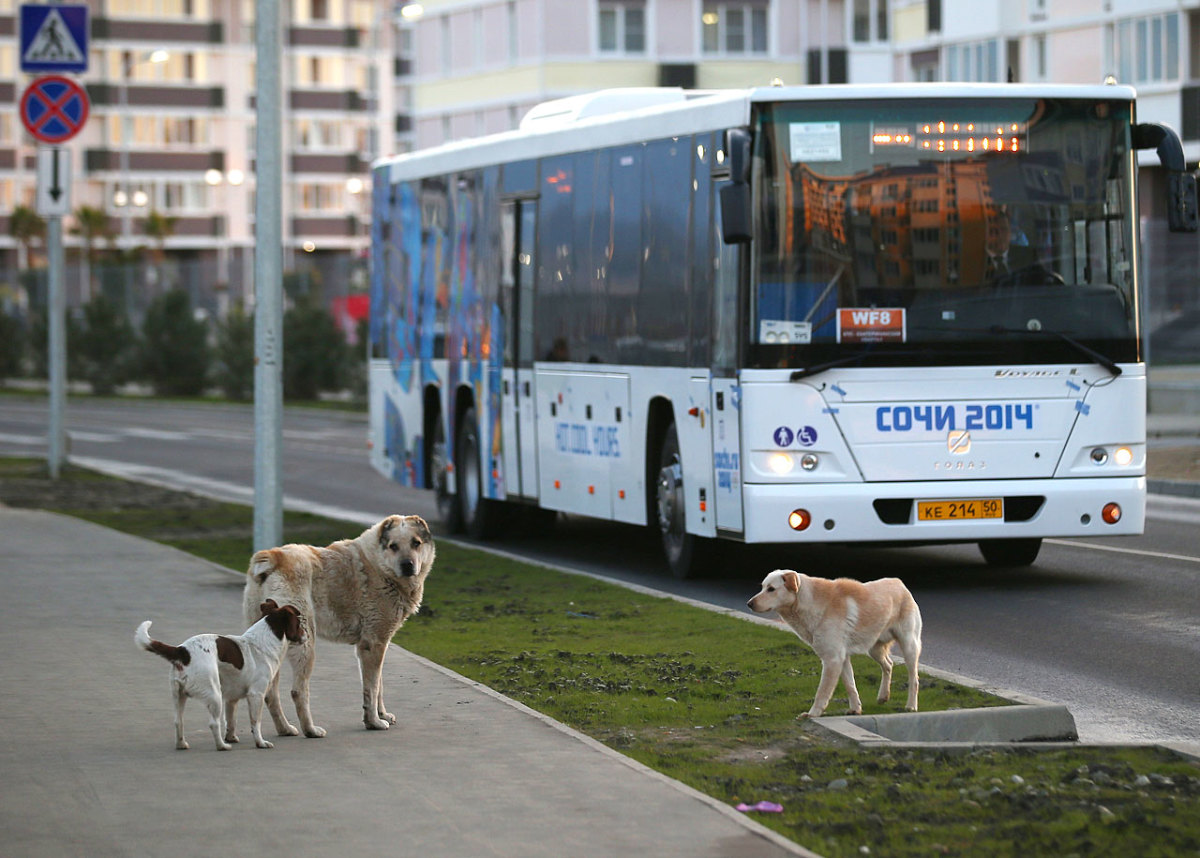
(54, 38)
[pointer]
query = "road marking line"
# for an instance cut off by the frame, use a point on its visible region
(1158, 554)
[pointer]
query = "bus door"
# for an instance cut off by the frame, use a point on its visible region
(726, 391)
(518, 222)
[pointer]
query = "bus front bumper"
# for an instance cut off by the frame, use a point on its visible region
(888, 512)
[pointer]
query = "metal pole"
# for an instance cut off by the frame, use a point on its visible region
(268, 282)
(57, 346)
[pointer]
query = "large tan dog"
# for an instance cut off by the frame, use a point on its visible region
(356, 591)
(842, 618)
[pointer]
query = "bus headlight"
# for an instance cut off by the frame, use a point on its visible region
(781, 464)
(1123, 456)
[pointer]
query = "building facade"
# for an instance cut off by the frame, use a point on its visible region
(171, 138)
(173, 101)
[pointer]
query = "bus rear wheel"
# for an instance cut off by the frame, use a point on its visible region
(439, 471)
(679, 546)
(479, 515)
(1010, 552)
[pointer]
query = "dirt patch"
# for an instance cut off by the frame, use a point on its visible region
(23, 483)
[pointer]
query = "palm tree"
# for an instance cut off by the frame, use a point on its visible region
(90, 224)
(25, 226)
(158, 228)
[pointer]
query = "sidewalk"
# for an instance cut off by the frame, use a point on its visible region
(89, 768)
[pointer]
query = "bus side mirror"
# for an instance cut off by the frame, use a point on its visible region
(1182, 215)
(1181, 203)
(736, 220)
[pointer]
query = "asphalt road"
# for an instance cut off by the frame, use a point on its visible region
(1107, 627)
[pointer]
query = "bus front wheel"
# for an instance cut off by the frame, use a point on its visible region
(1010, 552)
(679, 546)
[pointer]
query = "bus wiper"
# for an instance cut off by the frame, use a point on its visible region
(1103, 360)
(850, 359)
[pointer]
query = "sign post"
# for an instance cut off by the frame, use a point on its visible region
(53, 110)
(54, 38)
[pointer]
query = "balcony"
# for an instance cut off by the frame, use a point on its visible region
(151, 95)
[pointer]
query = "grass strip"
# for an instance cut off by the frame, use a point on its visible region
(708, 699)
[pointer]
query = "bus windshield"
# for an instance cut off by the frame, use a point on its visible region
(969, 231)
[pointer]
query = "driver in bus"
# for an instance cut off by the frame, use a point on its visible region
(1012, 260)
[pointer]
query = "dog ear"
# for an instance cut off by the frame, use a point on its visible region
(791, 580)
(384, 526)
(270, 606)
(422, 528)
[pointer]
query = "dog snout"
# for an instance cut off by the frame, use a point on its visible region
(408, 568)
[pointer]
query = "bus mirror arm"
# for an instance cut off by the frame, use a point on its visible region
(1182, 215)
(735, 196)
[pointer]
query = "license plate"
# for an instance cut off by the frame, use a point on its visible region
(959, 510)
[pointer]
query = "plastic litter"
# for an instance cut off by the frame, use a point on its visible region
(762, 807)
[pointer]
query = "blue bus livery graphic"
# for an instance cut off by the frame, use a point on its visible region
(936, 418)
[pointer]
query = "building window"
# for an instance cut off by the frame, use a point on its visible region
(622, 28)
(734, 28)
(976, 62)
(1039, 58)
(864, 14)
(1146, 50)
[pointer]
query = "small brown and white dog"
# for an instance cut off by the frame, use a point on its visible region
(845, 617)
(355, 591)
(221, 670)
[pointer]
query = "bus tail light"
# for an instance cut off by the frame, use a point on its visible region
(799, 519)
(1111, 513)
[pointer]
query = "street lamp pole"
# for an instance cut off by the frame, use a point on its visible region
(123, 198)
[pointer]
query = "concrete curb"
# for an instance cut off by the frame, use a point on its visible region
(596, 745)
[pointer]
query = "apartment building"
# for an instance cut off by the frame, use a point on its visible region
(172, 131)
(172, 88)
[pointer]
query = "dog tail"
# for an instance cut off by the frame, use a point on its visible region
(176, 654)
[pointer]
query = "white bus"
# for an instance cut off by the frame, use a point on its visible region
(884, 314)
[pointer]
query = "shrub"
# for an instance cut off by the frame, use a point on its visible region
(105, 345)
(175, 353)
(12, 345)
(234, 371)
(315, 353)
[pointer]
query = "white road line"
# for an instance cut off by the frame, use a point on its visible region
(1139, 552)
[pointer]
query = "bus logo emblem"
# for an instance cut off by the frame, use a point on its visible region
(958, 442)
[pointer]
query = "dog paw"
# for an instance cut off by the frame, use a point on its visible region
(314, 732)
(232, 739)
(264, 744)
(287, 730)
(224, 746)
(376, 724)
(804, 716)
(857, 711)
(181, 746)
(388, 716)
